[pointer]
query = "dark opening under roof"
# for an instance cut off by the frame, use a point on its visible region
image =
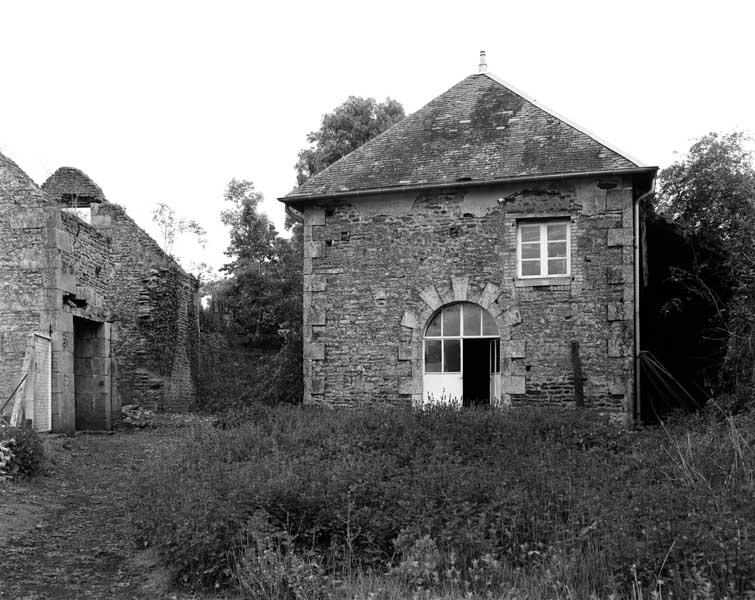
(73, 187)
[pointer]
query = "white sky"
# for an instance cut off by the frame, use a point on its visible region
(167, 101)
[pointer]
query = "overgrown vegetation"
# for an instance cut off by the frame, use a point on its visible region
(252, 327)
(303, 503)
(21, 452)
(710, 194)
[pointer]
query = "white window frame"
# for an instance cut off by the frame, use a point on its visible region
(461, 336)
(543, 224)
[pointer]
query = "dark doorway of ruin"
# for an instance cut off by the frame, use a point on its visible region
(91, 351)
(476, 370)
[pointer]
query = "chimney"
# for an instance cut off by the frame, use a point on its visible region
(483, 62)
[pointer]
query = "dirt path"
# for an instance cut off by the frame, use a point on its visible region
(67, 535)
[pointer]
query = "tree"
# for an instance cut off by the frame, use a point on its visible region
(345, 129)
(260, 302)
(170, 226)
(252, 233)
(710, 194)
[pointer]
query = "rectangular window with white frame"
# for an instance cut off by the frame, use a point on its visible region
(543, 248)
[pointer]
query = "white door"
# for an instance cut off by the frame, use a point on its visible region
(443, 389)
(495, 372)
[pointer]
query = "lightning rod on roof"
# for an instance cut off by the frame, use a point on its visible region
(483, 62)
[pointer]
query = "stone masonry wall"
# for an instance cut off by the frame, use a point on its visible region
(155, 303)
(24, 216)
(376, 269)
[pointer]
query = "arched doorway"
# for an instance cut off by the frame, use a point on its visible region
(461, 357)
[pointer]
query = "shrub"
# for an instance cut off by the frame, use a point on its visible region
(461, 498)
(23, 451)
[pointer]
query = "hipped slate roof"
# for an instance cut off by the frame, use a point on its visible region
(67, 184)
(479, 130)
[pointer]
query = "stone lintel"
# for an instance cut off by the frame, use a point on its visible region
(446, 295)
(495, 310)
(409, 320)
(430, 296)
(512, 316)
(460, 285)
(489, 295)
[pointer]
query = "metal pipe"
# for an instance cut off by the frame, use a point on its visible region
(637, 400)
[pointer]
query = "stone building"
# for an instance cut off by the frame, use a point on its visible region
(113, 317)
(479, 251)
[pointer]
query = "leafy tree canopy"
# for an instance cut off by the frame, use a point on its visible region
(345, 129)
(253, 235)
(710, 192)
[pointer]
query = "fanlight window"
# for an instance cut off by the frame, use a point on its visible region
(444, 333)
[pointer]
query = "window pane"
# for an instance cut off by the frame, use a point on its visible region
(451, 320)
(471, 319)
(452, 356)
(488, 324)
(530, 267)
(556, 231)
(531, 250)
(434, 327)
(432, 356)
(557, 266)
(530, 233)
(556, 249)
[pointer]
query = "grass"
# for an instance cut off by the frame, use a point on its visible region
(387, 503)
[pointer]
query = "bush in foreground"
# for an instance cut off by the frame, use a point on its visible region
(21, 452)
(475, 502)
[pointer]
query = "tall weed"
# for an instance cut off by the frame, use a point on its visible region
(470, 500)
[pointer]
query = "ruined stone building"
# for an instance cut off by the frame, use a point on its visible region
(112, 317)
(481, 250)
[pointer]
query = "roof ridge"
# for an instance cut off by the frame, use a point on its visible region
(567, 121)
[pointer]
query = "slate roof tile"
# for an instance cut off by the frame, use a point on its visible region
(478, 130)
